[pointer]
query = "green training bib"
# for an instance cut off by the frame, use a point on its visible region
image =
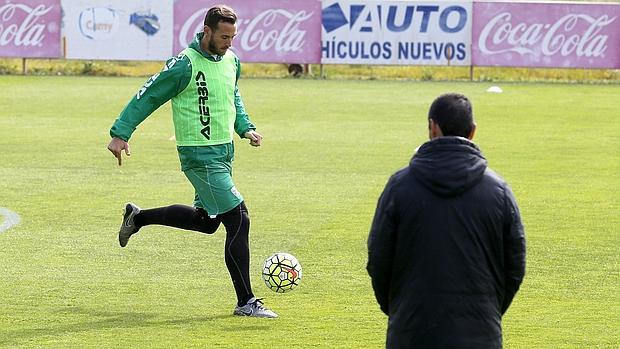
(204, 112)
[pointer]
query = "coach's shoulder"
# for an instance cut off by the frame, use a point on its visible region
(399, 178)
(494, 177)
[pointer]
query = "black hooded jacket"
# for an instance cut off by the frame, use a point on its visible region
(446, 251)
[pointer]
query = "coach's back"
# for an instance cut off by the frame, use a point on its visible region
(446, 249)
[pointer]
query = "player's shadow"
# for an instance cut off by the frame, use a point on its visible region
(98, 320)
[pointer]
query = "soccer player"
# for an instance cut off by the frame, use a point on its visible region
(446, 250)
(207, 110)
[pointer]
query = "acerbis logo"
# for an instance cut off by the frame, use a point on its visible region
(203, 108)
(395, 18)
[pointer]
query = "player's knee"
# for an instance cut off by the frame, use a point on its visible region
(206, 224)
(243, 210)
(237, 220)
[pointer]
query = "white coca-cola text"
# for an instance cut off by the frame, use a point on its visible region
(261, 32)
(501, 35)
(30, 32)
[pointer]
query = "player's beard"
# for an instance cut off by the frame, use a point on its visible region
(215, 49)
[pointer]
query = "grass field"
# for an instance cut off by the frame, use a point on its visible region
(329, 148)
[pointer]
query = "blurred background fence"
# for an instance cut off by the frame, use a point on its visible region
(430, 40)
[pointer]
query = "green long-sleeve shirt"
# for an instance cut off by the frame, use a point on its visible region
(165, 85)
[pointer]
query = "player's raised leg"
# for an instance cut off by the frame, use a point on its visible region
(177, 216)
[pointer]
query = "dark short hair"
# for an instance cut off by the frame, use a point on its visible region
(220, 13)
(453, 113)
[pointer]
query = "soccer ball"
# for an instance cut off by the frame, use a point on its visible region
(281, 272)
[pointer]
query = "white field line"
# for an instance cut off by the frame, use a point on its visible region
(11, 219)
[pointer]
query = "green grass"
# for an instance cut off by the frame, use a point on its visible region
(329, 148)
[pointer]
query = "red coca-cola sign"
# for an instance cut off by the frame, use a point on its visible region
(275, 31)
(30, 28)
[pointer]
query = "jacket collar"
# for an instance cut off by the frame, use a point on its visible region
(195, 44)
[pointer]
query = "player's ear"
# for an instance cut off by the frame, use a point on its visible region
(207, 30)
(473, 131)
(434, 130)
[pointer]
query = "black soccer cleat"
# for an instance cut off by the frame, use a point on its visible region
(128, 227)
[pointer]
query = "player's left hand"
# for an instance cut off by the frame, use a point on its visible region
(255, 138)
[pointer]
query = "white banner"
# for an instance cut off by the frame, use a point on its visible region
(117, 29)
(396, 32)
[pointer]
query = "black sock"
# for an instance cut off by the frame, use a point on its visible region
(237, 251)
(178, 216)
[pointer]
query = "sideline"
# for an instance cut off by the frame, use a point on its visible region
(11, 219)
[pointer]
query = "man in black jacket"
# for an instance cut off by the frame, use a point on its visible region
(446, 251)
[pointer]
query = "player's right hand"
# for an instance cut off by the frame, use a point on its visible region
(117, 146)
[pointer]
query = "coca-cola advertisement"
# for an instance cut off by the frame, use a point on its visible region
(30, 28)
(546, 35)
(269, 31)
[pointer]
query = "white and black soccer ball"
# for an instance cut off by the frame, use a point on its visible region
(281, 272)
